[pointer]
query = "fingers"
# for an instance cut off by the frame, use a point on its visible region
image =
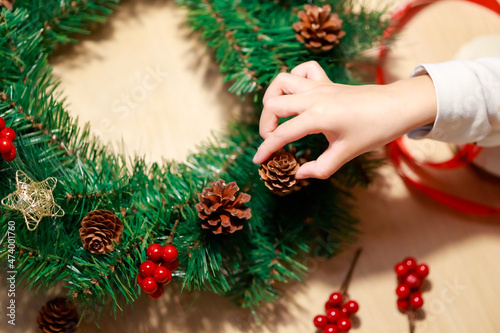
(280, 107)
(289, 131)
(326, 164)
(286, 84)
(277, 106)
(310, 70)
(301, 79)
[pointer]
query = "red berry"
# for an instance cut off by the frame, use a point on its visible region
(344, 312)
(410, 263)
(351, 307)
(344, 325)
(162, 275)
(2, 123)
(403, 304)
(328, 305)
(334, 315)
(416, 300)
(149, 285)
(171, 266)
(169, 253)
(8, 133)
(400, 269)
(320, 321)
(336, 299)
(157, 293)
(5, 145)
(154, 252)
(423, 270)
(139, 279)
(403, 291)
(147, 268)
(330, 328)
(413, 281)
(11, 155)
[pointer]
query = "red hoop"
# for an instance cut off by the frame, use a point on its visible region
(397, 150)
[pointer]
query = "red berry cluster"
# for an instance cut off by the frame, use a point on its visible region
(337, 316)
(157, 271)
(7, 136)
(410, 279)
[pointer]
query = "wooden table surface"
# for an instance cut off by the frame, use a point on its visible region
(105, 78)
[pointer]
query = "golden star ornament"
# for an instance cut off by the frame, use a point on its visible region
(33, 199)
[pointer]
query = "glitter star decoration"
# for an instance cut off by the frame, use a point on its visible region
(33, 199)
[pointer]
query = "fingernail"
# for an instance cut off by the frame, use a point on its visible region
(256, 158)
(299, 175)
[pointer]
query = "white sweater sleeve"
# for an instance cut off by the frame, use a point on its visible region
(468, 102)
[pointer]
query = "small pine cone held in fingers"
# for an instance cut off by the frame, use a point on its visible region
(278, 172)
(318, 29)
(222, 209)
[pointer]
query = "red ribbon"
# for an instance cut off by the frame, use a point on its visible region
(397, 150)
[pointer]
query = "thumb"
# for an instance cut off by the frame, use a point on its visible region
(325, 165)
(310, 70)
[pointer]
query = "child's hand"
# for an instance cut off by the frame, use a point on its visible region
(354, 119)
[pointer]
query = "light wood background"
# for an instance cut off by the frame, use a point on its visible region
(186, 99)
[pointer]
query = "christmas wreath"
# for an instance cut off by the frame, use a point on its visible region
(91, 215)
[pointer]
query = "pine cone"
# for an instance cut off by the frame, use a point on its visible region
(319, 30)
(57, 315)
(7, 4)
(100, 228)
(221, 210)
(278, 172)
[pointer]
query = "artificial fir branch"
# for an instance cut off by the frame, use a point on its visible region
(218, 16)
(60, 19)
(172, 233)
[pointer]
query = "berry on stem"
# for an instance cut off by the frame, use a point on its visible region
(5, 145)
(422, 270)
(410, 263)
(416, 300)
(351, 307)
(171, 266)
(11, 155)
(335, 299)
(403, 304)
(403, 291)
(400, 269)
(154, 252)
(162, 275)
(147, 268)
(169, 253)
(334, 315)
(2, 123)
(157, 293)
(344, 312)
(330, 328)
(320, 321)
(344, 325)
(139, 279)
(336, 310)
(413, 281)
(8, 133)
(149, 285)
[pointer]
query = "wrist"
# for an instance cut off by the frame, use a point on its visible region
(415, 101)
